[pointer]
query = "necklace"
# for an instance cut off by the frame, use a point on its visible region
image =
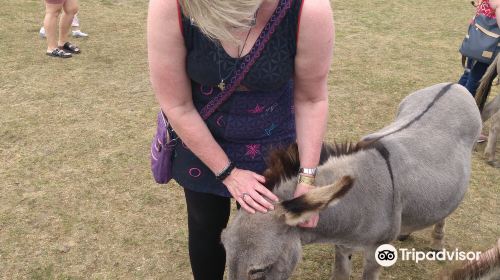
(222, 84)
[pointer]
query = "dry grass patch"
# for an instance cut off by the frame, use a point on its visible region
(76, 197)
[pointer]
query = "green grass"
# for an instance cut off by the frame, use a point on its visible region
(77, 200)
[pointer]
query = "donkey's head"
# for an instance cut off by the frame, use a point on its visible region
(267, 246)
(260, 246)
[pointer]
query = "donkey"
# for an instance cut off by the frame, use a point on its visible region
(407, 176)
(491, 110)
(487, 267)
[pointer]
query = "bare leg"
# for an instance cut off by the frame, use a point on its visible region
(490, 149)
(342, 266)
(52, 12)
(75, 23)
(438, 236)
(70, 9)
(371, 269)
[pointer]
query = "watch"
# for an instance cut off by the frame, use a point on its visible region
(308, 171)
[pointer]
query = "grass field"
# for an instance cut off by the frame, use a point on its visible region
(77, 200)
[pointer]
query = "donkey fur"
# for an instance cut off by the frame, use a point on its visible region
(491, 110)
(407, 176)
(487, 267)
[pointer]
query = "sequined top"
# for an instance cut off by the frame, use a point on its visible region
(251, 122)
(484, 8)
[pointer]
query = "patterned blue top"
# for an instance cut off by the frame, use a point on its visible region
(251, 122)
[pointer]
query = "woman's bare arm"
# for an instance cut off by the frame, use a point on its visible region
(312, 64)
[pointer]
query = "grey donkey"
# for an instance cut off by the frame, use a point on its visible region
(491, 110)
(407, 176)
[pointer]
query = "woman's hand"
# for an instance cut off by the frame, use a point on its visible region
(313, 221)
(246, 187)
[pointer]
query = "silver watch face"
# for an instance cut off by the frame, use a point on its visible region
(309, 171)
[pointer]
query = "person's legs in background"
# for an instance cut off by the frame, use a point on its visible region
(75, 26)
(70, 9)
(476, 73)
(41, 33)
(75, 23)
(465, 76)
(52, 12)
(208, 215)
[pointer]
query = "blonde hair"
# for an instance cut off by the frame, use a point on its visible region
(216, 18)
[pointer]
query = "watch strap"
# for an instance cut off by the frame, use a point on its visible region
(305, 179)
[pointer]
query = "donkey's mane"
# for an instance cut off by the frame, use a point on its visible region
(284, 164)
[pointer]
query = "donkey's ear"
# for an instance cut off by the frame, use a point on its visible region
(301, 208)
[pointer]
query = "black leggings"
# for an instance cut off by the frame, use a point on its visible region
(207, 217)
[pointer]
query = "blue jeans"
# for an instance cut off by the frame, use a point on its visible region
(472, 75)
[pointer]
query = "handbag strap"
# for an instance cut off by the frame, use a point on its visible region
(250, 59)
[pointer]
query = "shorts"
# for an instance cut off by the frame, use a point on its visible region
(58, 2)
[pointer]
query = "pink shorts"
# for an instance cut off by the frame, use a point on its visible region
(55, 1)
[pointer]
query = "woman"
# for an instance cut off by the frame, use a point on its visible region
(474, 69)
(193, 49)
(59, 47)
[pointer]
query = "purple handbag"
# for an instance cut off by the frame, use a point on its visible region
(163, 144)
(162, 149)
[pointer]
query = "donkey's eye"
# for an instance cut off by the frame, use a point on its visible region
(259, 273)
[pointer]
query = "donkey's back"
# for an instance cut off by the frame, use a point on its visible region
(430, 145)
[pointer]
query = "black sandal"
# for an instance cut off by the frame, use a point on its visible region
(59, 53)
(68, 47)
